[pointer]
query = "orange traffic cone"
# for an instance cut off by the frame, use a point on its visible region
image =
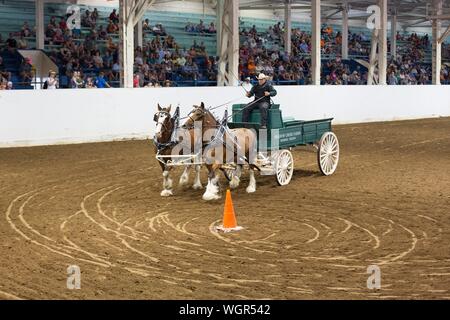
(229, 218)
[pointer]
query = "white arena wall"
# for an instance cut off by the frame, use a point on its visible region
(44, 117)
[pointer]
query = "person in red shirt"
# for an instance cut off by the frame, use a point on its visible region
(136, 81)
(62, 24)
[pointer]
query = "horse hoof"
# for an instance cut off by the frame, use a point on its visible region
(166, 193)
(197, 187)
(250, 189)
(210, 196)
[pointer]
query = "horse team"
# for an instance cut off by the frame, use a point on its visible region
(215, 145)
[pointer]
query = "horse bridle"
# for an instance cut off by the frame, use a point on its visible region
(155, 118)
(203, 112)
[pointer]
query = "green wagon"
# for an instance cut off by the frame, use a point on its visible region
(282, 135)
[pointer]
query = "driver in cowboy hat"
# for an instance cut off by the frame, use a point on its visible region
(263, 91)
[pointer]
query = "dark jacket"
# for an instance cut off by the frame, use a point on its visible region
(258, 91)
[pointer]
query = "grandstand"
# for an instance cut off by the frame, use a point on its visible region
(14, 14)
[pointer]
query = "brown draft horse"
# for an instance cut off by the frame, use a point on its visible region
(165, 126)
(232, 146)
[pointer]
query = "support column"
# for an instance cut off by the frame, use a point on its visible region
(394, 35)
(287, 26)
(382, 45)
(437, 45)
(40, 33)
(229, 43)
(233, 64)
(219, 17)
(126, 45)
(130, 13)
(373, 58)
(344, 44)
(315, 45)
(138, 34)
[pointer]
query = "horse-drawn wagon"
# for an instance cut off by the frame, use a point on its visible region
(273, 146)
(284, 134)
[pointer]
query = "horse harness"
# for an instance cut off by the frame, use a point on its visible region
(175, 119)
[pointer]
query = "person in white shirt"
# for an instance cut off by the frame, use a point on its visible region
(52, 81)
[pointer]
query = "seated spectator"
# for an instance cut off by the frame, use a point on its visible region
(12, 43)
(146, 25)
(76, 82)
(200, 27)
(112, 27)
(58, 37)
(52, 82)
(50, 31)
(66, 54)
(100, 81)
(107, 60)
(88, 61)
(93, 34)
(304, 47)
(189, 27)
(4, 75)
(94, 15)
(113, 17)
(212, 28)
(111, 46)
(158, 29)
(63, 24)
(136, 78)
(90, 83)
(116, 70)
(86, 20)
(53, 21)
(98, 60)
(89, 43)
(26, 71)
(26, 30)
(102, 33)
(22, 43)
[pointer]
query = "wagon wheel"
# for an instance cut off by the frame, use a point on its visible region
(284, 167)
(328, 153)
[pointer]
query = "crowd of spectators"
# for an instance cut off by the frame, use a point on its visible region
(339, 73)
(157, 29)
(264, 52)
(200, 27)
(408, 68)
(161, 62)
(91, 60)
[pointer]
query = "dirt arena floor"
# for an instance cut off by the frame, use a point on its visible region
(98, 206)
